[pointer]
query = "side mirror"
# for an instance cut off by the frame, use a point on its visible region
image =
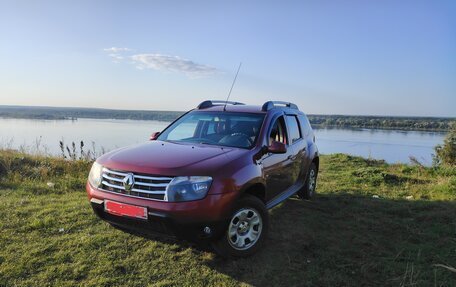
(154, 136)
(277, 147)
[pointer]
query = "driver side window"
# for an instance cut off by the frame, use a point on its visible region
(278, 132)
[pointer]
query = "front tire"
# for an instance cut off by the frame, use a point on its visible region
(246, 230)
(308, 191)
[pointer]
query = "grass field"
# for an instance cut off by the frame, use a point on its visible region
(372, 224)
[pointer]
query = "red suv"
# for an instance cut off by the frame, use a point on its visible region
(211, 175)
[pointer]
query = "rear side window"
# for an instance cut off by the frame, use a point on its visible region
(293, 128)
(305, 125)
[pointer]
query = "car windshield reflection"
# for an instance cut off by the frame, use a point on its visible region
(239, 130)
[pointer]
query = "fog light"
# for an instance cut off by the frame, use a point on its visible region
(207, 230)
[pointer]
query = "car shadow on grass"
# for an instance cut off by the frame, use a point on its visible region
(167, 239)
(346, 240)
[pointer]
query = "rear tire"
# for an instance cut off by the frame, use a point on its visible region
(310, 186)
(246, 231)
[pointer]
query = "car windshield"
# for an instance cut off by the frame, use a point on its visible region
(219, 128)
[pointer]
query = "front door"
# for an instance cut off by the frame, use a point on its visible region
(276, 167)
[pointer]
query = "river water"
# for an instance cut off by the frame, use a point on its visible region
(44, 135)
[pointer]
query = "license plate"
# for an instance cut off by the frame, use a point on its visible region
(123, 209)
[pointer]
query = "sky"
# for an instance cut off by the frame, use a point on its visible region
(330, 57)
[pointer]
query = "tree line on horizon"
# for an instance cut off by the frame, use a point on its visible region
(318, 121)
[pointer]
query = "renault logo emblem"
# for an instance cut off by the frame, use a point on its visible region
(128, 182)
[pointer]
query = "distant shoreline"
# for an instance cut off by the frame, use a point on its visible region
(438, 124)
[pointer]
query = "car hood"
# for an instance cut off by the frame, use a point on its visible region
(170, 159)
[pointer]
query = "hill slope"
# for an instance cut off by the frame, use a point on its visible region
(50, 237)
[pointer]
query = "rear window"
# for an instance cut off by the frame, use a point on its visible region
(293, 128)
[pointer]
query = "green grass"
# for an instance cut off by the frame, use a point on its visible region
(346, 237)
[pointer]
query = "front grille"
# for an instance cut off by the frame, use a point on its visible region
(145, 186)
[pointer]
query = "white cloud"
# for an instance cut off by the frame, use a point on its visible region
(172, 64)
(116, 53)
(116, 58)
(160, 62)
(116, 50)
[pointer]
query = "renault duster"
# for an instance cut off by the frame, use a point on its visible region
(211, 175)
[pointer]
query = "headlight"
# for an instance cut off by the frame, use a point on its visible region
(95, 174)
(187, 188)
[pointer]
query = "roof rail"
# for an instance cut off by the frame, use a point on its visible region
(211, 103)
(272, 104)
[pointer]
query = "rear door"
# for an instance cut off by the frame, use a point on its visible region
(308, 136)
(298, 149)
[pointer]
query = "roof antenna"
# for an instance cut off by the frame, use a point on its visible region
(232, 85)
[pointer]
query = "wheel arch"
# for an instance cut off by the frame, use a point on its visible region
(257, 189)
(316, 161)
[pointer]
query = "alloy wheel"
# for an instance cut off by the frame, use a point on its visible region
(312, 181)
(245, 229)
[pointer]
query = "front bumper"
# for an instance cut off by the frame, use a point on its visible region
(181, 219)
